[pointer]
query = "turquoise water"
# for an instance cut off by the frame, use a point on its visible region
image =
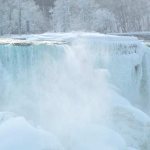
(19, 59)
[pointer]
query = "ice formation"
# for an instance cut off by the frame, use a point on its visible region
(91, 91)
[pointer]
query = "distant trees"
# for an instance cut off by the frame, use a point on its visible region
(45, 5)
(131, 15)
(81, 15)
(101, 15)
(61, 15)
(20, 16)
(68, 15)
(104, 21)
(105, 16)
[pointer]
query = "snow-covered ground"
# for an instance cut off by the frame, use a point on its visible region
(76, 91)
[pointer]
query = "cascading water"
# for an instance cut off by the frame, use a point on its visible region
(75, 89)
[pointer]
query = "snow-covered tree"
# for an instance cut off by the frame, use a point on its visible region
(130, 14)
(61, 15)
(84, 15)
(73, 15)
(21, 16)
(104, 21)
(34, 16)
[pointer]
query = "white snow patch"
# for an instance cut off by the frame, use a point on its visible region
(18, 134)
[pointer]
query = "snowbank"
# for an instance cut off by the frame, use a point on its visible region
(17, 134)
(94, 137)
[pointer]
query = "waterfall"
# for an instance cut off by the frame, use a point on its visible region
(88, 83)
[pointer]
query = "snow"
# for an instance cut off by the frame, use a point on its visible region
(96, 137)
(17, 133)
(4, 116)
(67, 37)
(132, 124)
(84, 90)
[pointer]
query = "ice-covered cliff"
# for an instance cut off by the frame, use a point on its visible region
(90, 90)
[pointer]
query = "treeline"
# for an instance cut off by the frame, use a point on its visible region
(20, 17)
(37, 16)
(102, 15)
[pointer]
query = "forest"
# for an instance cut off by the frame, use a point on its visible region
(104, 16)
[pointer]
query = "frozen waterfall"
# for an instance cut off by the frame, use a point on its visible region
(90, 91)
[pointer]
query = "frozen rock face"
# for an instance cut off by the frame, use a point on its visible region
(90, 90)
